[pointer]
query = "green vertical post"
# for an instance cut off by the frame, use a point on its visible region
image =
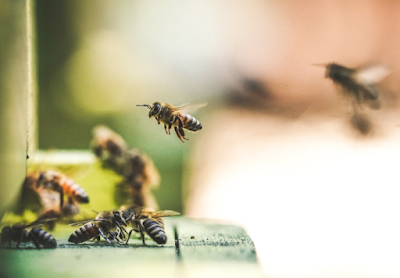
(17, 96)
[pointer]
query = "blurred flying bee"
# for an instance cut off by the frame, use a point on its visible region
(107, 224)
(359, 83)
(147, 220)
(176, 117)
(109, 147)
(360, 86)
(21, 232)
(137, 168)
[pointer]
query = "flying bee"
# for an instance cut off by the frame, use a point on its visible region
(147, 220)
(21, 232)
(107, 224)
(176, 117)
(358, 83)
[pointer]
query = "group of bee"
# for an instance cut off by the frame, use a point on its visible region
(138, 173)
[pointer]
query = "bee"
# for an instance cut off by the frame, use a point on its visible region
(136, 168)
(107, 224)
(358, 83)
(147, 220)
(21, 232)
(109, 147)
(175, 117)
(68, 210)
(55, 181)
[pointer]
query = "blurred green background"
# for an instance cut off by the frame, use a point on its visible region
(93, 68)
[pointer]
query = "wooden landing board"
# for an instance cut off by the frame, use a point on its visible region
(205, 250)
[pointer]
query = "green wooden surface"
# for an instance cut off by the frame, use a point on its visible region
(206, 250)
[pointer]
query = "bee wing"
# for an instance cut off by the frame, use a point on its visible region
(190, 108)
(164, 213)
(48, 198)
(80, 223)
(40, 222)
(371, 75)
(368, 77)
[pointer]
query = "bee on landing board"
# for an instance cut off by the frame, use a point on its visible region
(149, 221)
(176, 117)
(107, 224)
(51, 187)
(21, 232)
(55, 181)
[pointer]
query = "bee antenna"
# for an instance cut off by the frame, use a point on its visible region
(146, 105)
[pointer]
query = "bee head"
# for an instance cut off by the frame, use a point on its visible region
(127, 216)
(118, 218)
(155, 109)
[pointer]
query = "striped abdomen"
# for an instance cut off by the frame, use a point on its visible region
(75, 191)
(43, 238)
(84, 233)
(190, 123)
(155, 229)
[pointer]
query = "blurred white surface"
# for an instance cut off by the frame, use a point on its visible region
(317, 201)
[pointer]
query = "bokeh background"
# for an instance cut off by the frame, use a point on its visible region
(277, 153)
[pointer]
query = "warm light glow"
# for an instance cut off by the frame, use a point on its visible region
(316, 202)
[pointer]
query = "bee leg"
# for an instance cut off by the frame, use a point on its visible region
(36, 242)
(61, 197)
(104, 236)
(165, 128)
(178, 134)
(129, 234)
(158, 120)
(181, 131)
(142, 233)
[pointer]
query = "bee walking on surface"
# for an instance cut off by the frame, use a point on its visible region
(51, 187)
(148, 221)
(55, 181)
(21, 232)
(107, 224)
(176, 117)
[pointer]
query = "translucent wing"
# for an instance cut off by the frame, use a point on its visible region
(48, 198)
(40, 222)
(371, 75)
(165, 213)
(80, 223)
(190, 108)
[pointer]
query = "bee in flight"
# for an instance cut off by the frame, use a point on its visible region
(360, 87)
(107, 224)
(147, 220)
(358, 83)
(21, 232)
(176, 117)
